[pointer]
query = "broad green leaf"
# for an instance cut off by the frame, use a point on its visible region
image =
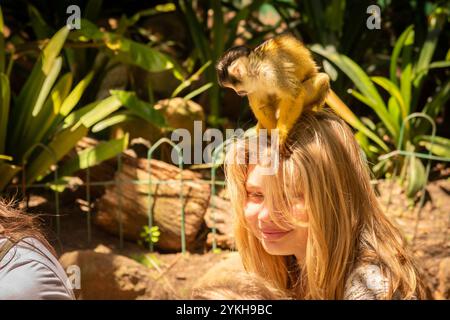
(62, 143)
(74, 97)
(116, 118)
(53, 49)
(407, 70)
(5, 157)
(2, 45)
(416, 176)
(396, 53)
(41, 124)
(94, 155)
(139, 107)
(439, 145)
(32, 91)
(93, 112)
(138, 54)
(47, 85)
(394, 91)
(363, 83)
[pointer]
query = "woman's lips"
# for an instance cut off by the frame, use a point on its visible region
(273, 234)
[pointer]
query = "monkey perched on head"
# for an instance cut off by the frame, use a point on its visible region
(280, 79)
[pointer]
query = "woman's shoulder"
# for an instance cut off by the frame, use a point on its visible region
(30, 271)
(367, 282)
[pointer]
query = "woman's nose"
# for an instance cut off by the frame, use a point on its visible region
(263, 214)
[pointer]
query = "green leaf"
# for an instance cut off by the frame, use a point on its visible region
(5, 95)
(364, 85)
(53, 48)
(74, 97)
(440, 146)
(33, 90)
(396, 53)
(5, 157)
(417, 178)
(7, 172)
(198, 91)
(43, 122)
(393, 91)
(116, 118)
(138, 54)
(345, 113)
(186, 83)
(93, 112)
(139, 107)
(41, 29)
(407, 70)
(62, 143)
(94, 155)
(47, 85)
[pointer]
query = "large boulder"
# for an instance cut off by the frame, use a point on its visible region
(109, 276)
(127, 204)
(230, 263)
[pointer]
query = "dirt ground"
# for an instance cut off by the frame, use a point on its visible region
(430, 245)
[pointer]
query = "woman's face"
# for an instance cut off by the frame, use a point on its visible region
(276, 241)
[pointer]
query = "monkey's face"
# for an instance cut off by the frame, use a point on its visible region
(238, 78)
(232, 70)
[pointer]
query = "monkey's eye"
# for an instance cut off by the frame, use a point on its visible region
(234, 81)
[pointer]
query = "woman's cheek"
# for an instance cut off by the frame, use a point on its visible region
(251, 215)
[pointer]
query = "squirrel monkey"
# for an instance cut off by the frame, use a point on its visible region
(280, 79)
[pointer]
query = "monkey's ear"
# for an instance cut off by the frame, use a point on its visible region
(237, 69)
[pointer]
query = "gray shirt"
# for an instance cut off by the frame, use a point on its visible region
(30, 272)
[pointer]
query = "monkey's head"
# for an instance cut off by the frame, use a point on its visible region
(232, 71)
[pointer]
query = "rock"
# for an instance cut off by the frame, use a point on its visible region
(230, 263)
(131, 207)
(220, 211)
(444, 278)
(111, 276)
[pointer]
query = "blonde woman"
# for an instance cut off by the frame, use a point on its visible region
(315, 229)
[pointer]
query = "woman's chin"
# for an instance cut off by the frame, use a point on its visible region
(274, 248)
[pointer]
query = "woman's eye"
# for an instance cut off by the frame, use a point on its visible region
(255, 195)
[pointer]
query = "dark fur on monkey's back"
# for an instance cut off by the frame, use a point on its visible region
(227, 58)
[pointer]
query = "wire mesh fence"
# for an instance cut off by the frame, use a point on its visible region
(119, 183)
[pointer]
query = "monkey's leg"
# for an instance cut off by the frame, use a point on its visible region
(265, 115)
(290, 110)
(316, 89)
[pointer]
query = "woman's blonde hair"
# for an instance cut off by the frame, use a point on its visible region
(346, 224)
(240, 286)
